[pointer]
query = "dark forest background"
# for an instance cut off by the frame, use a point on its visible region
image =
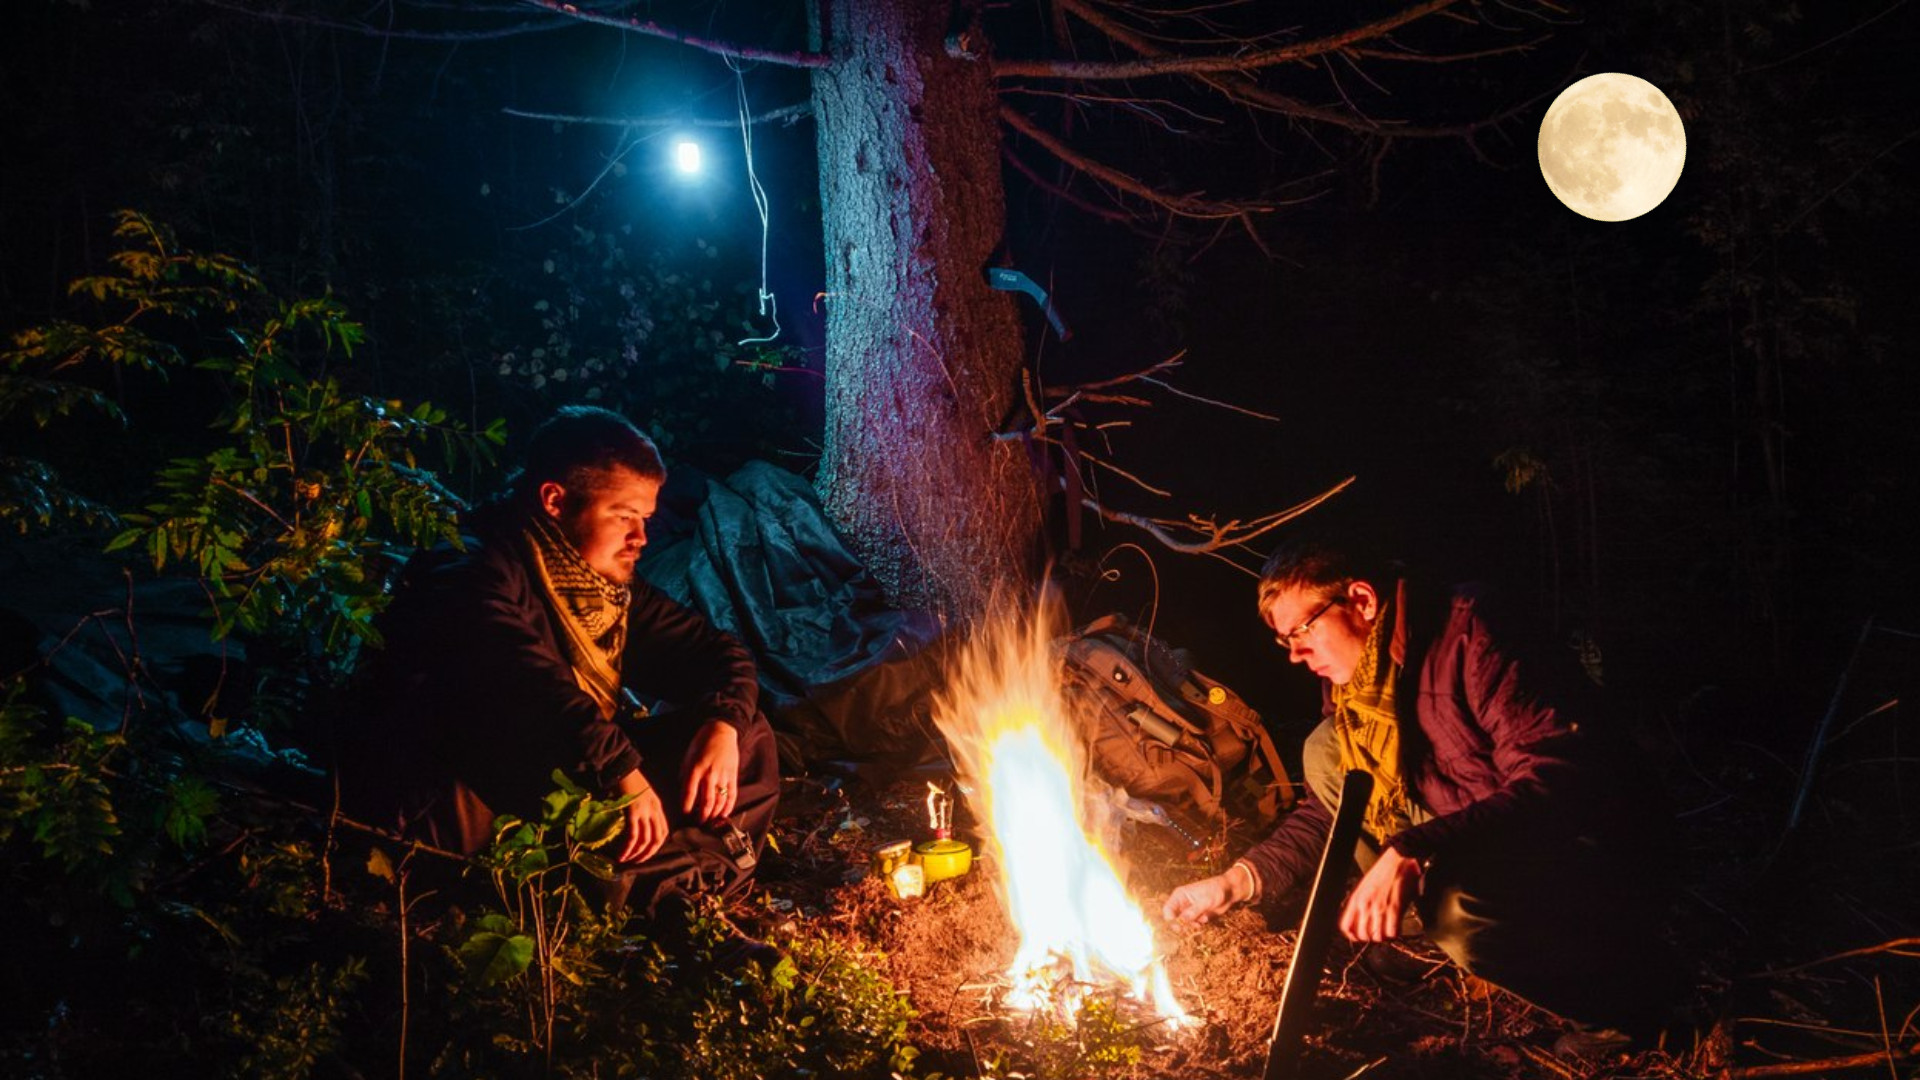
(1689, 434)
(1692, 438)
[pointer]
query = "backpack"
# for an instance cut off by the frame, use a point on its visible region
(1167, 733)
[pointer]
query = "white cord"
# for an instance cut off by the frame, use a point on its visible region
(768, 305)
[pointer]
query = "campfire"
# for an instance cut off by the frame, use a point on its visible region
(1024, 768)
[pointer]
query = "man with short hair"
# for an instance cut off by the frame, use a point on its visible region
(1503, 810)
(522, 654)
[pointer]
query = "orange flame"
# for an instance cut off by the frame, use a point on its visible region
(1004, 719)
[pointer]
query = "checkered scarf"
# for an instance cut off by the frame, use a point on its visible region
(592, 611)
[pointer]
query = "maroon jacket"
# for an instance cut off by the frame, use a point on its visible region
(472, 704)
(1498, 740)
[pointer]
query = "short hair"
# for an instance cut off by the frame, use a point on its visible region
(1319, 562)
(579, 444)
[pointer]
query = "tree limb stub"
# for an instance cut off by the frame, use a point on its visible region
(1252, 60)
(649, 28)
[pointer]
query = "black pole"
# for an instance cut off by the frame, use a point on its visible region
(1316, 928)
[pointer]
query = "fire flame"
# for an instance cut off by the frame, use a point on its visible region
(1008, 727)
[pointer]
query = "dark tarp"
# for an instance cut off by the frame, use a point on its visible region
(842, 675)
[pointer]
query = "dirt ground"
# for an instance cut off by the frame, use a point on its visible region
(949, 950)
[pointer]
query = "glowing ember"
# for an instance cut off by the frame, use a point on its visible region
(1003, 717)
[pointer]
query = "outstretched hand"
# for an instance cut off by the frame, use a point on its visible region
(710, 776)
(1198, 901)
(1372, 913)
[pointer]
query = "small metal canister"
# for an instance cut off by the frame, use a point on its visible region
(891, 856)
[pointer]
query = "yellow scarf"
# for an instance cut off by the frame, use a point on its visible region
(592, 612)
(1369, 733)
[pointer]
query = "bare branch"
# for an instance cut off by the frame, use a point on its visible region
(1444, 58)
(1235, 62)
(1051, 188)
(649, 28)
(1190, 396)
(788, 114)
(491, 33)
(1183, 205)
(1212, 536)
(1242, 90)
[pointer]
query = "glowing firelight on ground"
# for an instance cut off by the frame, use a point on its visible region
(1003, 717)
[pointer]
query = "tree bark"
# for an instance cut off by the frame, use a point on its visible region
(923, 358)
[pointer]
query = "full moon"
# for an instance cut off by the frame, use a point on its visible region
(1612, 146)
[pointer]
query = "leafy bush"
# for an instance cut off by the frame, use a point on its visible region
(551, 975)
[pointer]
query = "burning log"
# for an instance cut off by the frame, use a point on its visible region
(1024, 764)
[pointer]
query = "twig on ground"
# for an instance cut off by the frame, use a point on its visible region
(1909, 946)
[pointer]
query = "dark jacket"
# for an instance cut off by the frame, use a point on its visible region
(472, 704)
(1504, 746)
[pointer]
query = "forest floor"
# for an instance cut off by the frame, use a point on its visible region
(1804, 957)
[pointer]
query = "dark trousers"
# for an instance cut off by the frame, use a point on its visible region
(695, 860)
(1572, 925)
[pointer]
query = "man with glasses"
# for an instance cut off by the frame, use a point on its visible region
(1504, 816)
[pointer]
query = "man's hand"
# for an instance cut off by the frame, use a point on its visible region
(646, 819)
(1373, 911)
(1198, 901)
(710, 777)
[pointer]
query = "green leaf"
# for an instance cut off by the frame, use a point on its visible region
(596, 864)
(493, 958)
(593, 824)
(189, 802)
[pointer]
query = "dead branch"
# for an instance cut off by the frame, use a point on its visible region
(1191, 396)
(1822, 1066)
(1213, 535)
(1181, 205)
(1445, 58)
(1107, 465)
(1252, 60)
(492, 33)
(1116, 216)
(649, 28)
(787, 114)
(1245, 91)
(1896, 947)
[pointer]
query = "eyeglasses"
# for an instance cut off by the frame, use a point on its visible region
(1292, 637)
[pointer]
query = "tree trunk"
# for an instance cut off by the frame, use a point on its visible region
(923, 358)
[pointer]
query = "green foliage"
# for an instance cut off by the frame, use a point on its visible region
(548, 974)
(291, 519)
(32, 496)
(300, 1029)
(284, 523)
(55, 370)
(54, 792)
(821, 1010)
